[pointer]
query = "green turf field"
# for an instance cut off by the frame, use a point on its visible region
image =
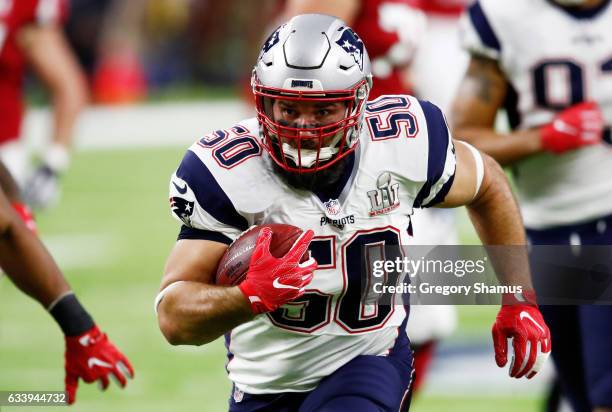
(112, 231)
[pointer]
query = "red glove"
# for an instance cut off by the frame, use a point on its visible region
(91, 356)
(577, 126)
(271, 282)
(25, 213)
(520, 320)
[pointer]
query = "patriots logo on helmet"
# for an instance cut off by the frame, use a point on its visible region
(353, 45)
(183, 209)
(272, 40)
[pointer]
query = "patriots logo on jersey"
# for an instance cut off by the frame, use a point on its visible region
(183, 209)
(353, 45)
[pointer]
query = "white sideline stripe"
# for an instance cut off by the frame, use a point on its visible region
(144, 125)
(79, 251)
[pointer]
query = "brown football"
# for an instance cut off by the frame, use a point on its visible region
(234, 264)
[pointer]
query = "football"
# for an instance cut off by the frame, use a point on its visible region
(234, 264)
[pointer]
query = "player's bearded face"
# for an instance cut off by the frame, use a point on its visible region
(308, 141)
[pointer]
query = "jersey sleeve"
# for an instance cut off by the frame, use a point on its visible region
(441, 160)
(476, 33)
(201, 204)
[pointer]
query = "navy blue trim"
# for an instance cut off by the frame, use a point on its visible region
(579, 13)
(402, 339)
(441, 195)
(511, 107)
(199, 234)
(207, 191)
(334, 192)
(482, 26)
(228, 340)
(438, 143)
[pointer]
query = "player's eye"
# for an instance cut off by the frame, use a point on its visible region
(287, 111)
(323, 112)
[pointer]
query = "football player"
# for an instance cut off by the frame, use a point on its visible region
(349, 172)
(89, 355)
(549, 63)
(31, 35)
(391, 31)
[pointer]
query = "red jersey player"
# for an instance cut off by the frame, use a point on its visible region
(90, 356)
(30, 35)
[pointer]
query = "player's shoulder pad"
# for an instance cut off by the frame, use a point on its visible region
(220, 181)
(413, 138)
(485, 25)
(441, 160)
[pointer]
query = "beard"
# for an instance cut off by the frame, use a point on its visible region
(323, 180)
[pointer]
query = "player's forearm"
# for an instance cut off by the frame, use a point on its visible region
(506, 149)
(194, 313)
(28, 264)
(496, 218)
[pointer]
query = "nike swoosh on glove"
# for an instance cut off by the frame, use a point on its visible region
(520, 320)
(92, 357)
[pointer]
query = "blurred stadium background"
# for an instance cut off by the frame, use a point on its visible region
(163, 72)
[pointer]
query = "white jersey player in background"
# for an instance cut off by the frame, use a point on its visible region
(549, 63)
(350, 173)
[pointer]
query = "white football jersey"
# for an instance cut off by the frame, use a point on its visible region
(553, 58)
(226, 183)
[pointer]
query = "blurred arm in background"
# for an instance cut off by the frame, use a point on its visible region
(89, 354)
(46, 50)
(483, 92)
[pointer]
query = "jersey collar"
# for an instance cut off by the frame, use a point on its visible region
(340, 190)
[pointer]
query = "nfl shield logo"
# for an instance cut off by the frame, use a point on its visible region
(238, 395)
(332, 206)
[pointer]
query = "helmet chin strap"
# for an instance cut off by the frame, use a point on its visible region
(308, 157)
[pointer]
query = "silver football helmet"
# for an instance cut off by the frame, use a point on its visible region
(314, 58)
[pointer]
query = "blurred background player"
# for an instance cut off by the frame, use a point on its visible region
(31, 36)
(89, 355)
(439, 61)
(549, 64)
(393, 32)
